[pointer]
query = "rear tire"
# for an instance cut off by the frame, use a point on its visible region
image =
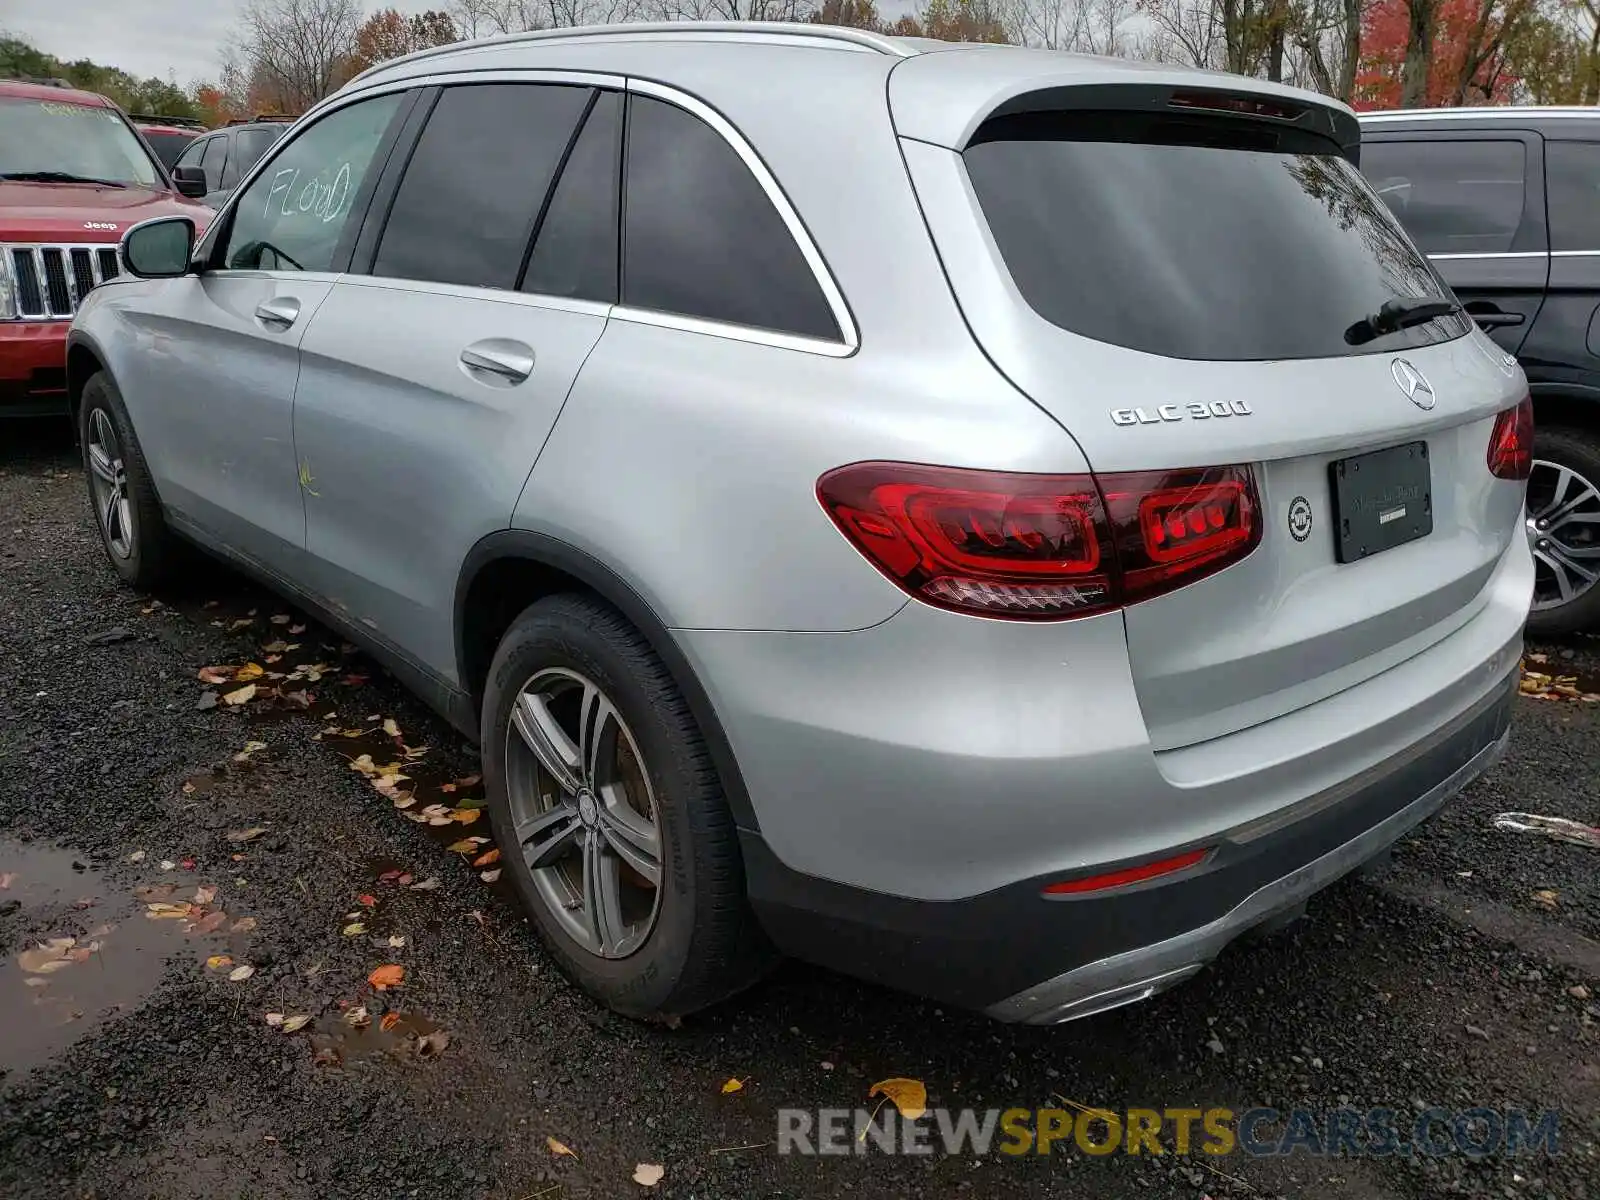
(576, 680)
(122, 497)
(1565, 483)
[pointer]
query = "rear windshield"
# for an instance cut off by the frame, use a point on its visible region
(167, 145)
(1199, 239)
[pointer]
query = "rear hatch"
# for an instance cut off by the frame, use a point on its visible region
(1179, 272)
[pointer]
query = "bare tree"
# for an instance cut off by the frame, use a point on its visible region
(485, 18)
(298, 50)
(1189, 32)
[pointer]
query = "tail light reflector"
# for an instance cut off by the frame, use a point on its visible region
(1042, 547)
(1511, 443)
(1113, 879)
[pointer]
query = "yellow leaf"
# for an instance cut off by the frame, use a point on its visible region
(390, 1020)
(908, 1095)
(466, 815)
(387, 976)
(354, 929)
(295, 1024)
(240, 974)
(391, 728)
(243, 696)
(648, 1174)
(560, 1148)
(248, 672)
(733, 1085)
(464, 846)
(217, 961)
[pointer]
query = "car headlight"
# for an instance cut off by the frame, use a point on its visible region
(8, 287)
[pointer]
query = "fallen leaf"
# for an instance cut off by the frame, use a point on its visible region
(246, 835)
(390, 727)
(296, 629)
(275, 1019)
(217, 961)
(404, 799)
(357, 1016)
(464, 846)
(431, 1045)
(648, 1174)
(7, 880)
(908, 1095)
(296, 1023)
(489, 859)
(390, 1020)
(387, 976)
(367, 899)
(136, 856)
(250, 748)
(163, 912)
(205, 895)
(560, 1148)
(396, 940)
(243, 696)
(241, 623)
(438, 822)
(241, 973)
(490, 876)
(436, 810)
(469, 781)
(365, 765)
(733, 1085)
(431, 883)
(466, 815)
(1546, 898)
(354, 929)
(187, 864)
(244, 925)
(209, 924)
(327, 1057)
(281, 618)
(216, 674)
(168, 865)
(353, 680)
(404, 881)
(390, 876)
(42, 960)
(248, 672)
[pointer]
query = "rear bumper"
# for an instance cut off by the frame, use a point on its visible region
(1023, 957)
(33, 368)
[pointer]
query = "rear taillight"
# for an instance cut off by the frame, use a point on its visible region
(1511, 443)
(1042, 547)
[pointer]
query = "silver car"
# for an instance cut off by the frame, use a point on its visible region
(996, 522)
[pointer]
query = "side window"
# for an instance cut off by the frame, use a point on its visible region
(231, 169)
(1572, 183)
(192, 152)
(477, 181)
(1452, 197)
(576, 251)
(212, 162)
(700, 236)
(293, 214)
(248, 147)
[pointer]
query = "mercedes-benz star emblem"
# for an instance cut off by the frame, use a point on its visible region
(1411, 382)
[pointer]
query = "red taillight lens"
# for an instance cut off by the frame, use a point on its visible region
(1116, 879)
(1042, 546)
(1511, 443)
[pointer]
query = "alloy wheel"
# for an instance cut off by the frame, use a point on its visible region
(108, 484)
(1564, 532)
(584, 813)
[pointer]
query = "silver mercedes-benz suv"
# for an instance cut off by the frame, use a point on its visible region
(994, 521)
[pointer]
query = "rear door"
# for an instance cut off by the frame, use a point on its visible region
(1474, 203)
(433, 375)
(1181, 289)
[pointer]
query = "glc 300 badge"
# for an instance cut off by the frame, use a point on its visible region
(1156, 414)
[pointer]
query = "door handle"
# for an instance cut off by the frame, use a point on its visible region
(1489, 317)
(499, 357)
(278, 313)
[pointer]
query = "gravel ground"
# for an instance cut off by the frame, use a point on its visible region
(1461, 978)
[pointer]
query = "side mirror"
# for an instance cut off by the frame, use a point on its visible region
(160, 248)
(191, 181)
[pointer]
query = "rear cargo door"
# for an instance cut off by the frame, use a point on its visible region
(1184, 288)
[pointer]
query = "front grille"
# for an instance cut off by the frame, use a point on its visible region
(51, 281)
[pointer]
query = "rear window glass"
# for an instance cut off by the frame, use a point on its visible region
(1453, 197)
(1572, 176)
(1196, 239)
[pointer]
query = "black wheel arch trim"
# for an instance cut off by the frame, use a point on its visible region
(78, 339)
(547, 551)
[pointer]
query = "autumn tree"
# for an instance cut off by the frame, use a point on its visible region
(389, 33)
(1439, 52)
(297, 51)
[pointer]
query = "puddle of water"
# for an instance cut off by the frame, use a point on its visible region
(78, 952)
(355, 1035)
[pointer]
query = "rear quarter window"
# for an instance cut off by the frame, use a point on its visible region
(1453, 197)
(1196, 239)
(1572, 181)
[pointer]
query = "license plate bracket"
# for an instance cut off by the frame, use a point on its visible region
(1381, 500)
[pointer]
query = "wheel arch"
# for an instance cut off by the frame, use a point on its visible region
(510, 569)
(84, 359)
(1570, 404)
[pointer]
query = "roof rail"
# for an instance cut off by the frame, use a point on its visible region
(1487, 110)
(42, 81)
(264, 119)
(157, 119)
(795, 29)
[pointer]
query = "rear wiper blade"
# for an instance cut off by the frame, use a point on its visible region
(1397, 314)
(58, 177)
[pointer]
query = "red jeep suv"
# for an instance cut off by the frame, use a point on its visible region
(74, 176)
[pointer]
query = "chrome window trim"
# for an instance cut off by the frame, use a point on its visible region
(1522, 112)
(1575, 254)
(591, 308)
(850, 337)
(1486, 254)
